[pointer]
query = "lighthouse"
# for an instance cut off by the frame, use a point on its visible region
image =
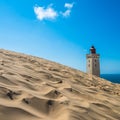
(93, 64)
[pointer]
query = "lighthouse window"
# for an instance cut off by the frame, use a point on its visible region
(95, 60)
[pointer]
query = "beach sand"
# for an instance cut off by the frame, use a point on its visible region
(32, 88)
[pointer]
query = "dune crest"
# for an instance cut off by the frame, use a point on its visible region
(32, 88)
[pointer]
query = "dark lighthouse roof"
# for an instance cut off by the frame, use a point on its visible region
(92, 50)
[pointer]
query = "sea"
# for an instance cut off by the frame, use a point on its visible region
(115, 78)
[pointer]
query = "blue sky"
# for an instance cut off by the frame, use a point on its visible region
(63, 31)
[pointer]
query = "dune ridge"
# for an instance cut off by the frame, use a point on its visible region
(33, 88)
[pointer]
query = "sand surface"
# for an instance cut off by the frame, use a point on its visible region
(32, 88)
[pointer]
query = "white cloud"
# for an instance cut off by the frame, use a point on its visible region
(66, 13)
(45, 13)
(49, 13)
(69, 5)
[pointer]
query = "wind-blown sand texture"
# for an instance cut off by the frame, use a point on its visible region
(32, 88)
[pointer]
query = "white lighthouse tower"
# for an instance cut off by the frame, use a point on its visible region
(93, 64)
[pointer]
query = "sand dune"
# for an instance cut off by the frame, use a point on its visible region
(32, 88)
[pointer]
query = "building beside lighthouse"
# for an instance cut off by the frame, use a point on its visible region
(93, 64)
